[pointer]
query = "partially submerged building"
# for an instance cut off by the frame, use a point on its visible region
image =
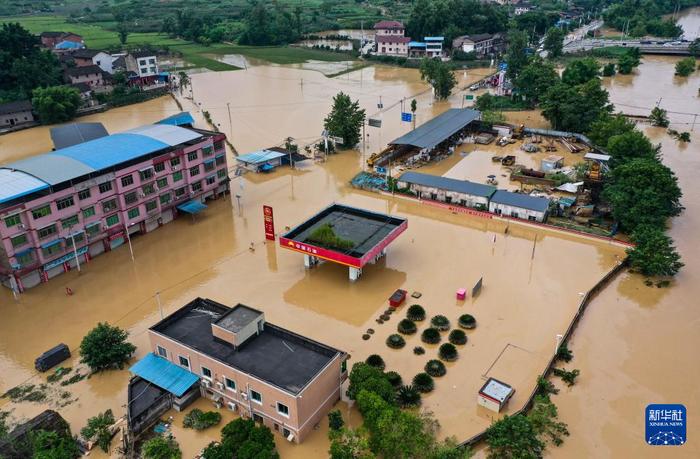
(242, 363)
(519, 205)
(65, 207)
(494, 395)
(16, 113)
(449, 190)
(390, 39)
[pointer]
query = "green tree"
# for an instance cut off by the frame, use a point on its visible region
(97, 429)
(105, 347)
(581, 71)
(439, 75)
(609, 69)
(535, 79)
(629, 61)
(630, 145)
(654, 253)
(56, 104)
(642, 192)
(554, 42)
(366, 377)
(694, 48)
(335, 420)
(685, 67)
(607, 126)
(513, 437)
(345, 120)
(350, 444)
(516, 57)
(543, 417)
(575, 108)
(161, 448)
(47, 444)
(659, 117)
(123, 32)
(491, 117)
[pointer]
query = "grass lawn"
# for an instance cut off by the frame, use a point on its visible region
(97, 37)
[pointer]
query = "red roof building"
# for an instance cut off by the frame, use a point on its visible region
(389, 25)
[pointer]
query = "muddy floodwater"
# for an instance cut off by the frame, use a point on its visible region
(636, 345)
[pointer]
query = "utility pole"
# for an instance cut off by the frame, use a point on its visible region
(230, 123)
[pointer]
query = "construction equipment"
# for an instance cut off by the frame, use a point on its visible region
(594, 172)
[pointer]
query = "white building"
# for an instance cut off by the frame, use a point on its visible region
(143, 63)
(494, 395)
(519, 205)
(443, 189)
(390, 39)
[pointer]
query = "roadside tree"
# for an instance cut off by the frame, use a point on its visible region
(516, 57)
(535, 79)
(630, 145)
(439, 75)
(581, 71)
(56, 104)
(345, 120)
(659, 117)
(607, 126)
(654, 253)
(554, 42)
(685, 67)
(97, 429)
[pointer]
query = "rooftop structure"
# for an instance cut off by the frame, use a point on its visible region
(494, 394)
(389, 25)
(178, 119)
(71, 134)
(261, 161)
(438, 129)
(16, 113)
(448, 184)
(521, 200)
(363, 235)
(15, 107)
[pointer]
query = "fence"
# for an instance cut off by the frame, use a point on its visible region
(585, 301)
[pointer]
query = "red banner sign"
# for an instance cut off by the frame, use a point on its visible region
(269, 223)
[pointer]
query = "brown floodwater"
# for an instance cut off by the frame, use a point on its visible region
(532, 277)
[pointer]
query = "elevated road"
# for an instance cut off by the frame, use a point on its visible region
(646, 47)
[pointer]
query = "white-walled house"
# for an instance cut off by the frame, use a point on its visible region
(519, 205)
(444, 189)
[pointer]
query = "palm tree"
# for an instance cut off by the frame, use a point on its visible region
(184, 80)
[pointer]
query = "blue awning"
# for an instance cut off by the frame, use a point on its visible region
(23, 252)
(208, 161)
(164, 374)
(51, 244)
(192, 207)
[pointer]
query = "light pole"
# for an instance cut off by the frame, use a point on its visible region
(160, 306)
(128, 238)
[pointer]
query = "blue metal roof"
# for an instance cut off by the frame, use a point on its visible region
(15, 184)
(416, 44)
(438, 129)
(164, 374)
(449, 184)
(434, 38)
(178, 119)
(67, 44)
(112, 150)
(524, 201)
(192, 207)
(258, 157)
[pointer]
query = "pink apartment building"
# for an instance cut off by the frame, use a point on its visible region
(244, 364)
(67, 206)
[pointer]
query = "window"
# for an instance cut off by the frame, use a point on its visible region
(206, 372)
(180, 191)
(108, 206)
(175, 162)
(209, 166)
(25, 258)
(184, 362)
(41, 211)
(192, 156)
(13, 220)
(84, 194)
(221, 173)
(159, 167)
(146, 174)
(230, 384)
(92, 229)
(64, 203)
(69, 222)
(89, 212)
(282, 409)
(221, 159)
(177, 176)
(105, 187)
(532, 218)
(194, 170)
(133, 213)
(219, 145)
(151, 205)
(151, 61)
(165, 198)
(19, 241)
(130, 198)
(128, 180)
(78, 238)
(112, 220)
(47, 231)
(52, 249)
(148, 189)
(162, 183)
(344, 366)
(162, 352)
(196, 187)
(256, 396)
(207, 151)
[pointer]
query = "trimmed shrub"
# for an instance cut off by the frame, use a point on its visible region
(440, 322)
(467, 321)
(394, 378)
(457, 337)
(407, 396)
(448, 352)
(423, 382)
(430, 336)
(415, 313)
(407, 327)
(435, 368)
(418, 350)
(395, 341)
(385, 317)
(365, 337)
(376, 361)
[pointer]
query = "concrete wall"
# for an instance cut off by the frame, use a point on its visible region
(392, 49)
(488, 403)
(508, 211)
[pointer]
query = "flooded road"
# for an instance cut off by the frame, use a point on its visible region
(532, 277)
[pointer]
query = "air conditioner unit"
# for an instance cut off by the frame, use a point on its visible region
(244, 395)
(175, 168)
(220, 385)
(142, 195)
(217, 404)
(206, 383)
(232, 406)
(22, 226)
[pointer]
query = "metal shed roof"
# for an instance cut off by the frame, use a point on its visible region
(75, 133)
(524, 201)
(438, 129)
(170, 135)
(52, 169)
(449, 184)
(258, 157)
(164, 374)
(178, 119)
(15, 184)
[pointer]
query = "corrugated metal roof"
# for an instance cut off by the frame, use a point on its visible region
(15, 184)
(168, 134)
(75, 133)
(178, 119)
(438, 129)
(112, 150)
(524, 201)
(52, 169)
(258, 157)
(164, 374)
(449, 184)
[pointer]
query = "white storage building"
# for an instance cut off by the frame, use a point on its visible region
(519, 205)
(443, 189)
(494, 394)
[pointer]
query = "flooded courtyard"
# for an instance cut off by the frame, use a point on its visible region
(532, 277)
